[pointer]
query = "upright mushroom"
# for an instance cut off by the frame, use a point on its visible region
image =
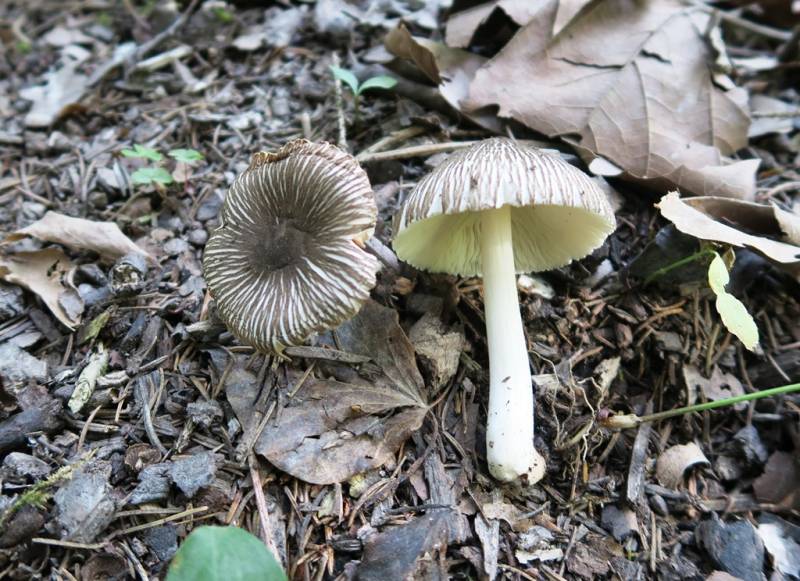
(286, 260)
(495, 209)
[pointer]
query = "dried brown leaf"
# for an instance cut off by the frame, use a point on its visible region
(633, 83)
(452, 70)
(703, 218)
(676, 460)
(376, 333)
(334, 431)
(397, 552)
(551, 16)
(778, 483)
(104, 238)
(64, 88)
(719, 386)
(47, 273)
(769, 116)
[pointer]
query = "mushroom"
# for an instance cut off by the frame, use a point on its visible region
(496, 209)
(287, 259)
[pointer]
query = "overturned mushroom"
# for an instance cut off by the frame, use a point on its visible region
(286, 260)
(496, 209)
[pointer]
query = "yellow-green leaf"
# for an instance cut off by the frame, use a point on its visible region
(733, 313)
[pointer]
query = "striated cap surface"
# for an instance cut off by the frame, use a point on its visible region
(285, 261)
(558, 213)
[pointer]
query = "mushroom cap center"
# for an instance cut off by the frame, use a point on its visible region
(279, 245)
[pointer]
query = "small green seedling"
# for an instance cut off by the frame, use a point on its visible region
(212, 553)
(142, 152)
(349, 79)
(156, 175)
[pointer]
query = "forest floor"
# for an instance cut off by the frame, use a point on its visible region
(184, 426)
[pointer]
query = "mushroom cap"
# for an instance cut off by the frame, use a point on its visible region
(285, 261)
(558, 213)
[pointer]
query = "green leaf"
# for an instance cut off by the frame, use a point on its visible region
(733, 313)
(143, 152)
(222, 554)
(151, 175)
(186, 155)
(379, 82)
(346, 77)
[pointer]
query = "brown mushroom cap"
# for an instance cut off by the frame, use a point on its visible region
(558, 212)
(285, 261)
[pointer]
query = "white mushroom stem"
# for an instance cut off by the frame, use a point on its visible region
(509, 433)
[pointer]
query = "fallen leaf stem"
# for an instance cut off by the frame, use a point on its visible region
(625, 421)
(678, 263)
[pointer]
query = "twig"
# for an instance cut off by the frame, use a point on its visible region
(157, 522)
(149, 428)
(383, 253)
(154, 42)
(263, 512)
(432, 148)
(760, 29)
(413, 151)
(341, 140)
(395, 137)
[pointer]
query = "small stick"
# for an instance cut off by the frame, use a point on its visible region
(263, 512)
(154, 42)
(430, 149)
(736, 20)
(413, 151)
(341, 140)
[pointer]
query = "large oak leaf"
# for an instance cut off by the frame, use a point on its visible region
(632, 81)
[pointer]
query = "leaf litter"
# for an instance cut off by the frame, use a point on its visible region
(363, 455)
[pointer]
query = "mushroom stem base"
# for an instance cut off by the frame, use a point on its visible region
(509, 434)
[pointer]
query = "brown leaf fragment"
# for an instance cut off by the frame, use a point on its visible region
(778, 483)
(719, 386)
(397, 552)
(452, 70)
(551, 17)
(333, 430)
(104, 238)
(722, 576)
(676, 460)
(439, 348)
(462, 25)
(632, 81)
(47, 273)
(375, 332)
(63, 89)
(489, 534)
(703, 218)
(770, 116)
(590, 558)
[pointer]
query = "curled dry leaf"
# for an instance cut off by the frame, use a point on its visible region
(452, 70)
(334, 430)
(104, 238)
(551, 16)
(770, 115)
(703, 218)
(462, 25)
(719, 386)
(47, 273)
(51, 101)
(397, 552)
(632, 81)
(676, 460)
(778, 483)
